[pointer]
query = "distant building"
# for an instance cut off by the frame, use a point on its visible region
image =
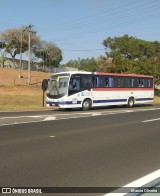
(35, 66)
(61, 69)
(8, 63)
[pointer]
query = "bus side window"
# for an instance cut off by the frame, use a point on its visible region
(100, 80)
(141, 82)
(94, 81)
(132, 82)
(136, 83)
(148, 82)
(78, 84)
(87, 82)
(110, 82)
(74, 83)
(106, 82)
(151, 82)
(119, 82)
(127, 82)
(97, 82)
(145, 82)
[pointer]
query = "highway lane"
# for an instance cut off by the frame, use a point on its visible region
(107, 149)
(8, 118)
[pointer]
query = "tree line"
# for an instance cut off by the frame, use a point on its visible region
(124, 54)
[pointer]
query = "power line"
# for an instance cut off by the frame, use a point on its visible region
(98, 21)
(82, 50)
(82, 19)
(103, 22)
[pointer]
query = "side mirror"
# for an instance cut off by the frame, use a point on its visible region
(44, 84)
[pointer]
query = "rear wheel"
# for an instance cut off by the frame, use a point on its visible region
(131, 102)
(86, 104)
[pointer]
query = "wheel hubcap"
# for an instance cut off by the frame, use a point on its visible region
(86, 104)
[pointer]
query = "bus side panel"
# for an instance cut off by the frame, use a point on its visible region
(107, 98)
(120, 97)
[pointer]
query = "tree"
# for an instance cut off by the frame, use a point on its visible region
(72, 63)
(12, 40)
(132, 55)
(103, 63)
(49, 53)
(88, 64)
(2, 53)
(130, 48)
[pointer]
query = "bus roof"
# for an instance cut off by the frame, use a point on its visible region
(122, 74)
(103, 73)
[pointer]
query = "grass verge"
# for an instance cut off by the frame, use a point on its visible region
(18, 98)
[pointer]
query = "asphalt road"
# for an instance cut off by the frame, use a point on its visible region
(104, 147)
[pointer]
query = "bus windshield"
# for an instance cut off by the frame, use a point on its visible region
(58, 86)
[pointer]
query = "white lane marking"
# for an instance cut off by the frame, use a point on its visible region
(49, 118)
(40, 116)
(73, 117)
(138, 183)
(52, 136)
(96, 114)
(10, 117)
(151, 120)
(19, 123)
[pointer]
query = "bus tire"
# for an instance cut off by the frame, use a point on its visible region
(131, 102)
(86, 105)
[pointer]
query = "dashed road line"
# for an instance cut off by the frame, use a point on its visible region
(52, 136)
(49, 118)
(151, 120)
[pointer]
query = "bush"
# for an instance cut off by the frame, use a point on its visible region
(157, 92)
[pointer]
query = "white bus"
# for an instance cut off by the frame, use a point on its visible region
(80, 89)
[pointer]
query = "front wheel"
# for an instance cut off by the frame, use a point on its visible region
(131, 102)
(86, 104)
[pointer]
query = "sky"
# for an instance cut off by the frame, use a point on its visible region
(78, 27)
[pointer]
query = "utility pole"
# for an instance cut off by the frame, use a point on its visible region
(29, 28)
(29, 58)
(20, 64)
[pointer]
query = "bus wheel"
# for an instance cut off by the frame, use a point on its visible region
(131, 102)
(86, 104)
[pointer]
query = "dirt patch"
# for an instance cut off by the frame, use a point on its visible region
(10, 77)
(15, 94)
(20, 90)
(20, 98)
